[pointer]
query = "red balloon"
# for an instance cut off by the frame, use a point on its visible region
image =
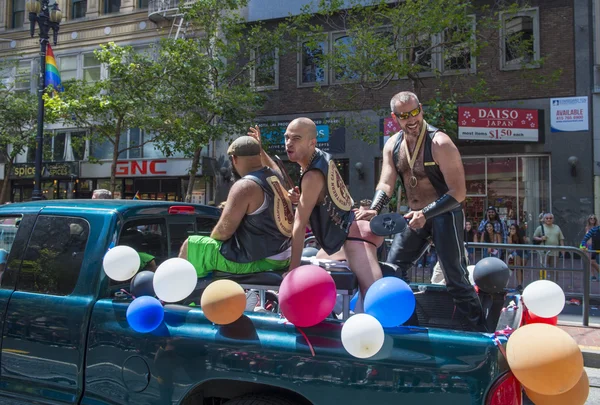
(307, 295)
(530, 318)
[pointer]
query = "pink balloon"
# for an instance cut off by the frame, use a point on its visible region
(307, 295)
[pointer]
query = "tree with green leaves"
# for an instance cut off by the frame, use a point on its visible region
(208, 94)
(107, 108)
(18, 123)
(416, 44)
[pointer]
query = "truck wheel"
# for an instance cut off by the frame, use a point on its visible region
(260, 399)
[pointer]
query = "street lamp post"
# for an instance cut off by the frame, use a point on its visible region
(46, 19)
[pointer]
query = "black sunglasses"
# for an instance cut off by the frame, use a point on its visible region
(407, 115)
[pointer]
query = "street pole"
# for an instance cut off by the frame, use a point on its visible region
(46, 19)
(39, 139)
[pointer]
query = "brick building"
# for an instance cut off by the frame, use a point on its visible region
(520, 176)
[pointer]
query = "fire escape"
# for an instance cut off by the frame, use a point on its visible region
(170, 12)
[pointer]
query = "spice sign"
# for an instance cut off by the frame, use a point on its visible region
(498, 124)
(569, 114)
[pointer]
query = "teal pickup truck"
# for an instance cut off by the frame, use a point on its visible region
(66, 340)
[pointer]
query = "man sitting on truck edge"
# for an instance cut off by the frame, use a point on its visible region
(254, 232)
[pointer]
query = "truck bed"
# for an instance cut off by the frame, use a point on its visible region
(188, 353)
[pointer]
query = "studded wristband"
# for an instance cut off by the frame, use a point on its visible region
(380, 199)
(443, 204)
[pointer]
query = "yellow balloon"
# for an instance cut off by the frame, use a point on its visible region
(575, 396)
(544, 358)
(223, 302)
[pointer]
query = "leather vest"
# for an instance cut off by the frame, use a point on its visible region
(330, 220)
(267, 233)
(432, 170)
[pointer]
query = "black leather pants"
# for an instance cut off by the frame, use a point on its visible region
(447, 233)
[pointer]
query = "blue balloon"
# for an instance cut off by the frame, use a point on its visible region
(353, 301)
(145, 314)
(391, 301)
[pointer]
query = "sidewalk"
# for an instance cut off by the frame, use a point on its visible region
(588, 339)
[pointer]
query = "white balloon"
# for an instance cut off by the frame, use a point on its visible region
(362, 336)
(544, 298)
(121, 263)
(471, 270)
(174, 280)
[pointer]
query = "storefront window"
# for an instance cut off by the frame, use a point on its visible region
(533, 190)
(78, 145)
(149, 149)
(102, 150)
(105, 184)
(58, 147)
(49, 190)
(518, 186)
(502, 185)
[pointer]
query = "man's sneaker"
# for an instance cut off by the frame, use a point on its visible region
(594, 278)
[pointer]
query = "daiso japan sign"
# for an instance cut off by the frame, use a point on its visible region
(498, 124)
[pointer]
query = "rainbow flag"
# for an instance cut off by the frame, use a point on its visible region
(137, 196)
(52, 73)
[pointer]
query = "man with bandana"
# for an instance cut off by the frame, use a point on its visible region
(253, 233)
(433, 178)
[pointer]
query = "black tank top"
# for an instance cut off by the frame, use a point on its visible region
(268, 232)
(432, 170)
(330, 221)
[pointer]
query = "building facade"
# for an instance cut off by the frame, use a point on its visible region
(539, 165)
(552, 166)
(68, 173)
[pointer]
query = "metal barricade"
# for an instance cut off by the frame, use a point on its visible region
(568, 266)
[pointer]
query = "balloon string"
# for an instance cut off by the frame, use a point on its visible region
(310, 346)
(128, 293)
(504, 332)
(500, 346)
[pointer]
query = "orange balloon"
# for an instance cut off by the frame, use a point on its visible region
(575, 396)
(544, 358)
(223, 302)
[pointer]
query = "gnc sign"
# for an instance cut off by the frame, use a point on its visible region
(139, 168)
(131, 168)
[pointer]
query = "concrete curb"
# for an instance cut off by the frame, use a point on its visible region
(591, 356)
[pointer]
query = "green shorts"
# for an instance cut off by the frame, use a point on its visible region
(204, 253)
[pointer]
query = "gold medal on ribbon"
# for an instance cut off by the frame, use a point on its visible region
(412, 159)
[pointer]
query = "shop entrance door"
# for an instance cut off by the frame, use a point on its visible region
(21, 192)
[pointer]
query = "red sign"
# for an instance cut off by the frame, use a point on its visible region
(498, 124)
(390, 127)
(140, 167)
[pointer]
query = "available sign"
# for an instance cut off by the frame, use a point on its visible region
(498, 124)
(569, 114)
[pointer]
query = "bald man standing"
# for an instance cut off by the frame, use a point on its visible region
(326, 204)
(253, 233)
